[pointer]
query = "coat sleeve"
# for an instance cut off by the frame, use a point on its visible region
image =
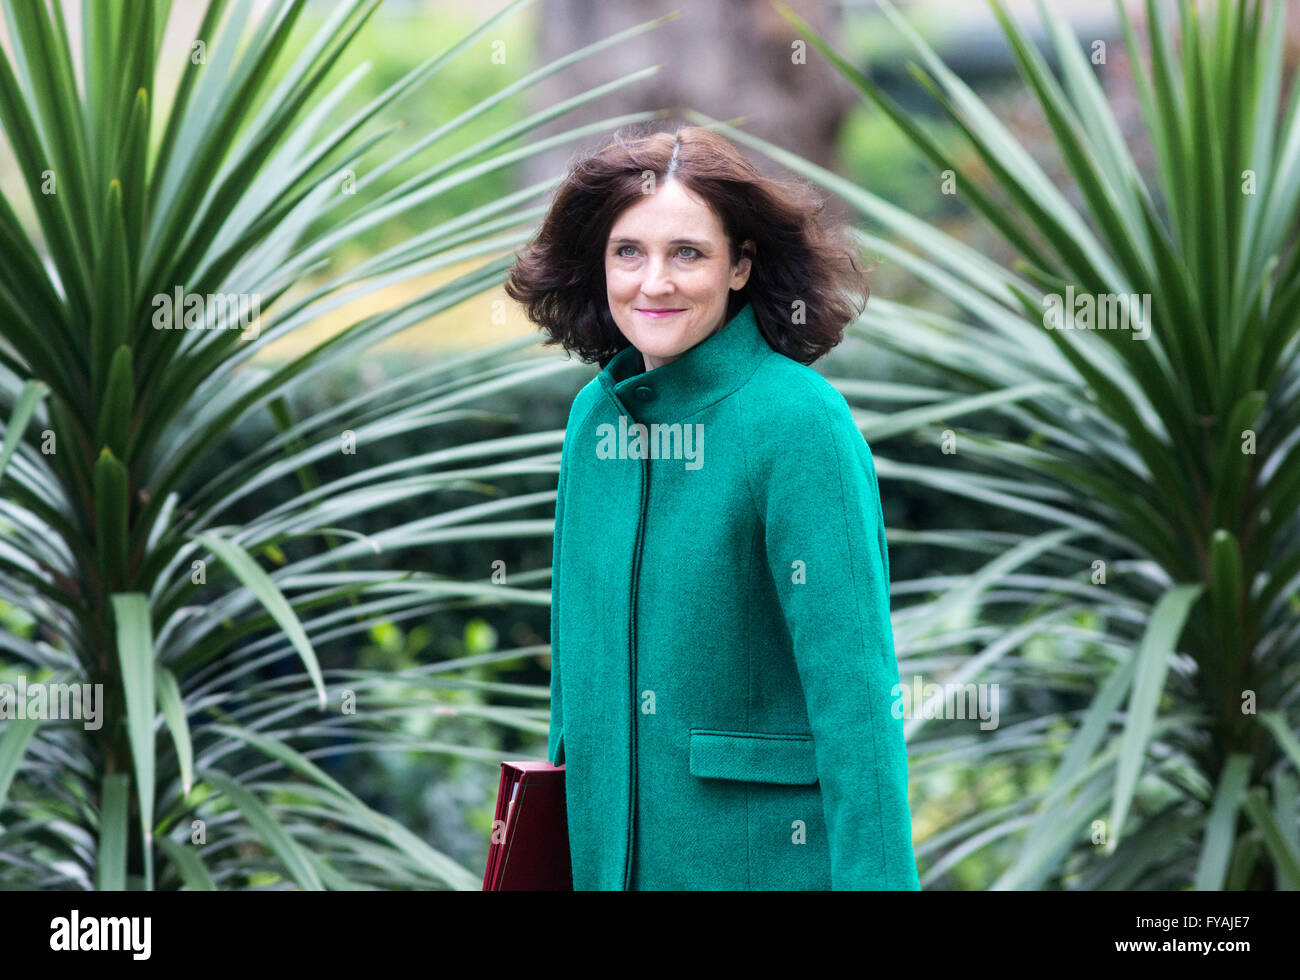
(815, 487)
(555, 743)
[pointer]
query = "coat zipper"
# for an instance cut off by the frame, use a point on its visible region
(636, 572)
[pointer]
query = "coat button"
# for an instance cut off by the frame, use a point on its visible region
(645, 393)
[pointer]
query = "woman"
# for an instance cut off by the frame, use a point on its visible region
(721, 652)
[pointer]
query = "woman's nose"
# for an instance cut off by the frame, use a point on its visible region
(656, 277)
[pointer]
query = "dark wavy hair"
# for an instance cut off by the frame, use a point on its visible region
(796, 256)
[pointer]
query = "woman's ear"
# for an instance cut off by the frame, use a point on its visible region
(742, 268)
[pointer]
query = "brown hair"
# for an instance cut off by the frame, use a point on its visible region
(796, 257)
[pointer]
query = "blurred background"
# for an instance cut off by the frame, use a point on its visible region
(453, 684)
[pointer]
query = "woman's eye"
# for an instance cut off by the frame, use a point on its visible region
(695, 252)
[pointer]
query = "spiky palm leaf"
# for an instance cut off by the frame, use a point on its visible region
(1172, 461)
(106, 527)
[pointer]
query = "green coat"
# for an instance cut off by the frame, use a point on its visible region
(722, 659)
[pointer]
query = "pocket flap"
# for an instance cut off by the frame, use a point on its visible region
(753, 757)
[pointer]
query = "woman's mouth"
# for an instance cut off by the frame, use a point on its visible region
(657, 314)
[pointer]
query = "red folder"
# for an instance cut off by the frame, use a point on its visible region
(530, 831)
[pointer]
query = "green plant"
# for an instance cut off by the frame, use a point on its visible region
(215, 697)
(1158, 478)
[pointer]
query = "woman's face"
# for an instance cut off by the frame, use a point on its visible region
(668, 273)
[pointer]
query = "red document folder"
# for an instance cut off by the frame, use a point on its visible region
(530, 832)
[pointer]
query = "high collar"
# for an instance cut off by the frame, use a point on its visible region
(708, 372)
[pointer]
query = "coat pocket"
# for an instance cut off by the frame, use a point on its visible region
(759, 757)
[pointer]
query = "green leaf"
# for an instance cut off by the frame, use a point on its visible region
(113, 288)
(1083, 747)
(185, 859)
(1221, 829)
(112, 536)
(1276, 723)
(32, 394)
(14, 739)
(1285, 860)
(136, 656)
(168, 695)
(1226, 600)
(114, 427)
(295, 858)
(111, 864)
(259, 583)
(294, 760)
(1244, 857)
(1158, 644)
(1232, 463)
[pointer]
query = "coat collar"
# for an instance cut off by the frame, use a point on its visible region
(708, 372)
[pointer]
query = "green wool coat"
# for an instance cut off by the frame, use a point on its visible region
(722, 659)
